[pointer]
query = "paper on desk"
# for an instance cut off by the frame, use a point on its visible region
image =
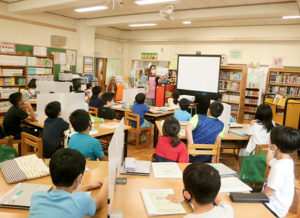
(233, 184)
(182, 132)
(224, 170)
(110, 125)
(156, 202)
(166, 170)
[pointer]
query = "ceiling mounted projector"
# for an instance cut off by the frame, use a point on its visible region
(167, 12)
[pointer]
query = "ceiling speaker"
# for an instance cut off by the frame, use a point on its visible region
(58, 40)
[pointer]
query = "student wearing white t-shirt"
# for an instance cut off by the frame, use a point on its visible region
(259, 129)
(279, 186)
(202, 183)
(174, 101)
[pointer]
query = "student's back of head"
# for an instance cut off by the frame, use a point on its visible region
(286, 139)
(53, 109)
(32, 84)
(216, 109)
(77, 87)
(140, 98)
(65, 166)
(175, 96)
(171, 129)
(96, 90)
(184, 104)
(202, 183)
(264, 116)
(89, 85)
(80, 120)
(107, 97)
(15, 98)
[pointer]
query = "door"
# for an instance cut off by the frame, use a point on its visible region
(101, 72)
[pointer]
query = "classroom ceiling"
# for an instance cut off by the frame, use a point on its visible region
(201, 13)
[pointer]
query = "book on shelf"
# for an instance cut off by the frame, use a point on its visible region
(5, 92)
(40, 77)
(249, 116)
(284, 78)
(229, 85)
(33, 70)
(284, 90)
(4, 106)
(230, 75)
(39, 62)
(252, 93)
(251, 100)
(11, 72)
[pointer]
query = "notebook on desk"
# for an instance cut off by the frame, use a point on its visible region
(143, 168)
(20, 195)
(240, 132)
(235, 125)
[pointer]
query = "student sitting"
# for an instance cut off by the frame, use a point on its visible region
(69, 198)
(29, 93)
(259, 129)
(106, 112)
(15, 114)
(77, 88)
(88, 91)
(54, 127)
(82, 141)
(182, 114)
(95, 100)
(202, 183)
(169, 147)
(204, 129)
(174, 102)
(279, 186)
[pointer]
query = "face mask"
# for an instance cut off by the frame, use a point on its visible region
(32, 92)
(153, 71)
(78, 184)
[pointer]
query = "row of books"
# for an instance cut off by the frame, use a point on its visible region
(5, 92)
(4, 106)
(11, 72)
(12, 81)
(284, 78)
(32, 70)
(234, 108)
(249, 116)
(231, 98)
(251, 100)
(229, 85)
(39, 62)
(252, 92)
(230, 75)
(283, 90)
(40, 77)
(250, 108)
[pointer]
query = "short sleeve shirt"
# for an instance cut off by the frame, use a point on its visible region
(12, 120)
(61, 204)
(140, 109)
(96, 102)
(106, 113)
(195, 119)
(88, 146)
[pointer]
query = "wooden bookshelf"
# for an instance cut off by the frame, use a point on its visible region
(232, 83)
(251, 103)
(285, 82)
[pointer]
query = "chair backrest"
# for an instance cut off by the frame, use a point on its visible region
(295, 208)
(132, 117)
(93, 111)
(31, 145)
(6, 141)
(263, 148)
(210, 149)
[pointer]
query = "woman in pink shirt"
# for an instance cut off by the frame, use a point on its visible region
(152, 82)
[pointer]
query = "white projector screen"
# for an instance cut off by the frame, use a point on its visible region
(198, 73)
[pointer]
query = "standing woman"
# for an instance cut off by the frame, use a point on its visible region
(29, 93)
(152, 83)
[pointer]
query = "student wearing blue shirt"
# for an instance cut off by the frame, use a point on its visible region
(66, 169)
(81, 141)
(95, 100)
(182, 114)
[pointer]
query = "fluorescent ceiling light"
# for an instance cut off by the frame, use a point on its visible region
(94, 8)
(291, 17)
(142, 24)
(187, 22)
(147, 2)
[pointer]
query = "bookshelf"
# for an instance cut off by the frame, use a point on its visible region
(285, 82)
(232, 85)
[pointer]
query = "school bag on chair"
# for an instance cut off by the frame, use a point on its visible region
(7, 152)
(253, 168)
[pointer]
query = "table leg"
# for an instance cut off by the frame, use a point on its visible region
(155, 136)
(125, 143)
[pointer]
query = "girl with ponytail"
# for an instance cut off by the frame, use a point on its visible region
(174, 101)
(169, 147)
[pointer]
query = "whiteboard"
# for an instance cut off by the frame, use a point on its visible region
(199, 73)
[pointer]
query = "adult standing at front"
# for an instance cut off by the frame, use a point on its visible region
(152, 83)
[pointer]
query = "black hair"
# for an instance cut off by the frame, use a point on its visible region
(216, 108)
(287, 139)
(80, 120)
(175, 96)
(202, 181)
(184, 104)
(107, 96)
(96, 90)
(264, 116)
(171, 129)
(52, 109)
(14, 98)
(89, 85)
(32, 84)
(76, 86)
(140, 98)
(152, 66)
(65, 166)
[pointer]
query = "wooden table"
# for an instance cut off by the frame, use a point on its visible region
(98, 170)
(128, 198)
(102, 131)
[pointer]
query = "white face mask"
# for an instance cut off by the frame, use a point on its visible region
(153, 71)
(78, 184)
(32, 92)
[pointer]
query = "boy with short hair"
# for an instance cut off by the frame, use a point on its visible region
(105, 111)
(66, 169)
(204, 129)
(202, 183)
(279, 186)
(54, 126)
(182, 114)
(15, 114)
(82, 141)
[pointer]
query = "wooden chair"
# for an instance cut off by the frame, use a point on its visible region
(6, 141)
(137, 130)
(93, 111)
(213, 150)
(31, 145)
(263, 148)
(294, 211)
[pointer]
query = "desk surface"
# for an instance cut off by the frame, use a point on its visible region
(134, 205)
(149, 114)
(229, 136)
(98, 170)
